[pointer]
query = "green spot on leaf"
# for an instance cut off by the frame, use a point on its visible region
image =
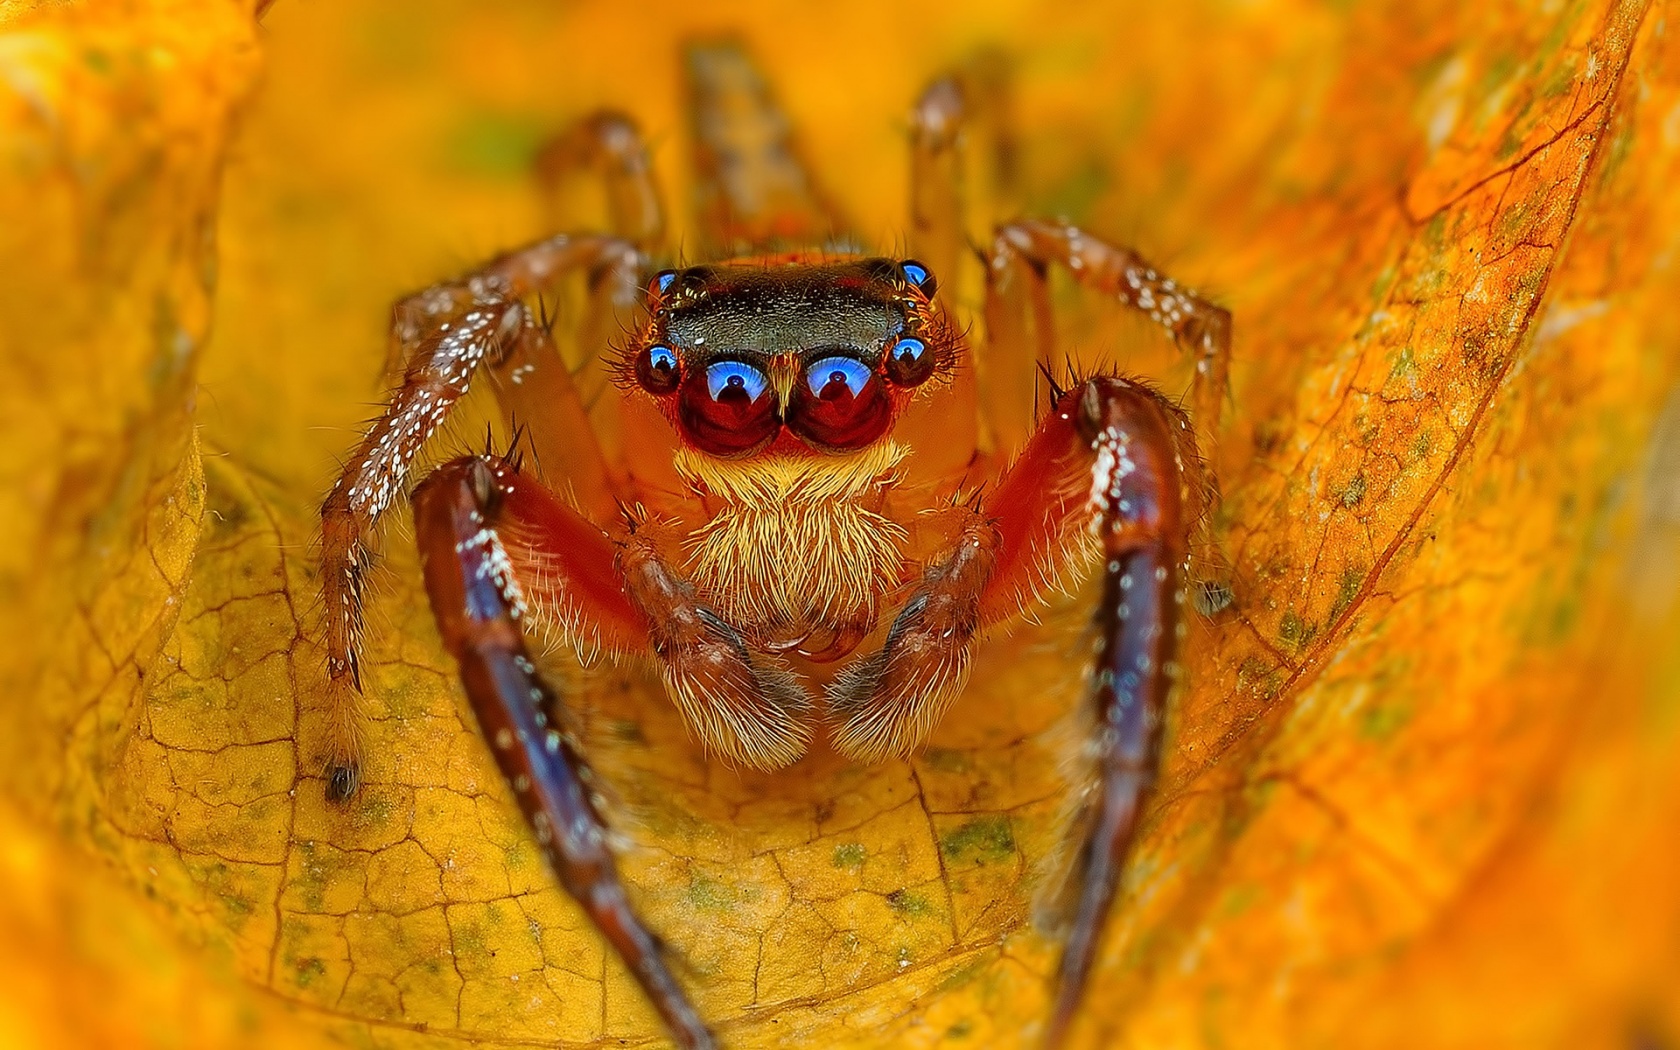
(308, 969)
(1346, 590)
(1295, 632)
(850, 855)
(910, 905)
(1379, 722)
(946, 760)
(1239, 899)
(709, 894)
(1354, 492)
(1421, 446)
(1405, 365)
(985, 839)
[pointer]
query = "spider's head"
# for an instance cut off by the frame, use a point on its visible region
(828, 352)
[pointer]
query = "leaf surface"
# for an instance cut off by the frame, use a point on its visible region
(1420, 790)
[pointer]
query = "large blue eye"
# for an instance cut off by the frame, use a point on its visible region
(725, 410)
(735, 380)
(840, 407)
(833, 377)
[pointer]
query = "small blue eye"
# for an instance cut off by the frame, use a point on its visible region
(918, 275)
(657, 369)
(909, 350)
(735, 379)
(908, 362)
(832, 376)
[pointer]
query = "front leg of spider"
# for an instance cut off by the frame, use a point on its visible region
(1110, 472)
(1141, 502)
(441, 338)
(461, 512)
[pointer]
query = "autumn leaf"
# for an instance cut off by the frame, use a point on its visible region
(1421, 790)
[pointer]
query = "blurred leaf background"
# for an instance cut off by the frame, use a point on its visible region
(1422, 791)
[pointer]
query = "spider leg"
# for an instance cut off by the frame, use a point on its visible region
(742, 706)
(942, 433)
(1145, 492)
(1142, 500)
(373, 479)
(938, 219)
(608, 145)
(621, 595)
(1110, 473)
(574, 435)
(889, 701)
(444, 335)
(1021, 255)
(480, 607)
(962, 159)
(754, 190)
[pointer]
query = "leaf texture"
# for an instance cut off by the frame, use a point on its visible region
(1421, 787)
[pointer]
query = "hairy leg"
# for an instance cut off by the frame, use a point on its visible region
(938, 198)
(1022, 253)
(375, 477)
(1110, 472)
(619, 594)
(1021, 328)
(1144, 496)
(888, 701)
(942, 433)
(572, 443)
(443, 336)
(754, 190)
(962, 161)
(608, 145)
(603, 150)
(480, 609)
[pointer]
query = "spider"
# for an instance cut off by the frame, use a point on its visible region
(803, 534)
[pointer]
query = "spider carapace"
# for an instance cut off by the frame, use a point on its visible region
(794, 514)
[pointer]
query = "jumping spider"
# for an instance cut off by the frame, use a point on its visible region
(807, 535)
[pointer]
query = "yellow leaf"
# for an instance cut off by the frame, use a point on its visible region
(1421, 789)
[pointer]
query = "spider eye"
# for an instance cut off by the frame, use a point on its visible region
(662, 282)
(727, 410)
(909, 362)
(920, 276)
(836, 377)
(657, 369)
(735, 381)
(840, 405)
